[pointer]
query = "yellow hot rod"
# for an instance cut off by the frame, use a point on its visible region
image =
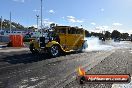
(60, 39)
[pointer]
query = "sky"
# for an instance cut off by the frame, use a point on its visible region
(93, 15)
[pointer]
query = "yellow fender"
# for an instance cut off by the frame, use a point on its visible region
(36, 44)
(54, 43)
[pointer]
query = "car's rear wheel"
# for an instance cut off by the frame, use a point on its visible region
(54, 50)
(84, 46)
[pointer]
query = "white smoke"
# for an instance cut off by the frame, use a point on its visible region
(94, 44)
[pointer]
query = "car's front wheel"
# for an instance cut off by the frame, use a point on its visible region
(32, 49)
(54, 51)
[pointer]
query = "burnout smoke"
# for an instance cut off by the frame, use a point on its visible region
(94, 44)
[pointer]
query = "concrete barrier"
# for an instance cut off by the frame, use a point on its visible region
(4, 38)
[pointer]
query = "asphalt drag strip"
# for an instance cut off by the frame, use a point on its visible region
(119, 62)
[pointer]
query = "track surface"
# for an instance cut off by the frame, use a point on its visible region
(21, 69)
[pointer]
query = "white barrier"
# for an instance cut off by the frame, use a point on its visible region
(4, 38)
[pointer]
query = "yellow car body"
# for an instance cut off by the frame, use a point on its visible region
(71, 39)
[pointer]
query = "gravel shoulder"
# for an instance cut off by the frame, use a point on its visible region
(119, 62)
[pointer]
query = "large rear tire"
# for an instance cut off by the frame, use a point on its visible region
(54, 50)
(84, 46)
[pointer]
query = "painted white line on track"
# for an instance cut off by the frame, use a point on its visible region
(14, 50)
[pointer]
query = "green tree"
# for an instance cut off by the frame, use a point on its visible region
(32, 28)
(87, 34)
(124, 35)
(115, 34)
(6, 24)
(107, 34)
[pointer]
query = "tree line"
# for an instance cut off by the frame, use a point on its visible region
(14, 25)
(108, 35)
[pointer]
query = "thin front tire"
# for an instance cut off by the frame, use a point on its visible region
(54, 51)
